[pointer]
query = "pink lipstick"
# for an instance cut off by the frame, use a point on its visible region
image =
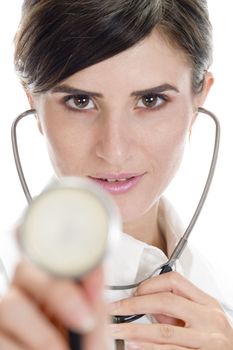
(117, 184)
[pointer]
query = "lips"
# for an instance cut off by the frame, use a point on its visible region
(118, 184)
(116, 180)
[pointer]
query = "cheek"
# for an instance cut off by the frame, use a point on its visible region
(67, 153)
(162, 154)
(66, 144)
(166, 151)
(172, 147)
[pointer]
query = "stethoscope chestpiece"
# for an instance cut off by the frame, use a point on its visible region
(68, 228)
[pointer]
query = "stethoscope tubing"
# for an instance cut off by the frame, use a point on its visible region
(164, 268)
(15, 149)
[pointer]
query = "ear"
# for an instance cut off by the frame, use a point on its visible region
(30, 98)
(207, 84)
(32, 103)
(200, 98)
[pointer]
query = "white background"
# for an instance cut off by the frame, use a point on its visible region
(213, 233)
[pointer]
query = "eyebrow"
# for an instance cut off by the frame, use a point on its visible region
(64, 88)
(156, 90)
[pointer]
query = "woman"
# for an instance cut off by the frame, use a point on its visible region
(116, 86)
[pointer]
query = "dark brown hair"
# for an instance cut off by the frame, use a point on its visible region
(57, 38)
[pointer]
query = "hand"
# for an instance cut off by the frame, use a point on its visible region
(38, 309)
(188, 318)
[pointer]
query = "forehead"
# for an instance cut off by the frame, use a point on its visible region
(151, 60)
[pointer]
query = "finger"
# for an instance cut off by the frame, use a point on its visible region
(167, 304)
(22, 320)
(9, 344)
(62, 298)
(175, 283)
(211, 319)
(158, 334)
(94, 286)
(149, 346)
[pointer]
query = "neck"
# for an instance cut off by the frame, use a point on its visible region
(146, 229)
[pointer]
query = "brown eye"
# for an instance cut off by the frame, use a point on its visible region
(151, 101)
(80, 102)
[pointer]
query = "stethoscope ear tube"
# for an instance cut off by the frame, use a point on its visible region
(184, 239)
(16, 153)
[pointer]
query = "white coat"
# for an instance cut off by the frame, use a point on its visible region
(133, 258)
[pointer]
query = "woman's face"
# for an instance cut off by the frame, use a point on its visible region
(123, 122)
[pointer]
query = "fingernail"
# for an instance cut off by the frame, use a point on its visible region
(79, 316)
(88, 324)
(133, 346)
(84, 323)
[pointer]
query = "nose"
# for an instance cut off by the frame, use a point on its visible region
(113, 144)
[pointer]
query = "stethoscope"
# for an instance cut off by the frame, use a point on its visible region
(112, 215)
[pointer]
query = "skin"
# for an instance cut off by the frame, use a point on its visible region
(119, 133)
(171, 298)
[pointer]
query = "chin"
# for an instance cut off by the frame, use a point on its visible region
(132, 211)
